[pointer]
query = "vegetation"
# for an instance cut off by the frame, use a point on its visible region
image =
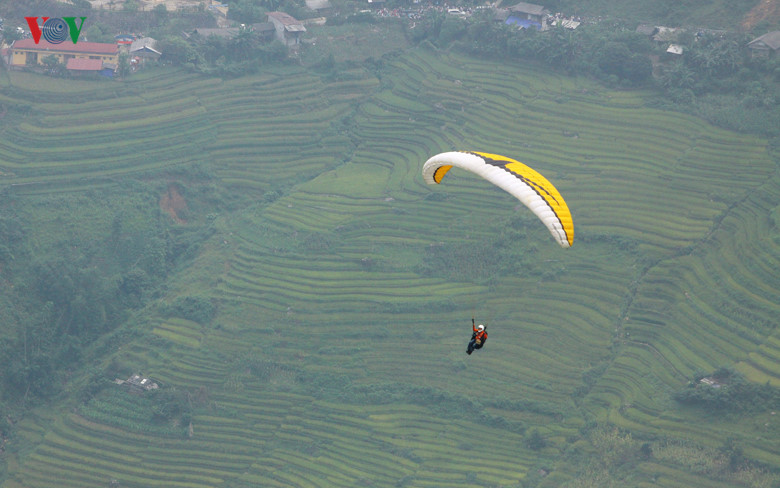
(720, 14)
(163, 412)
(241, 55)
(264, 248)
(713, 78)
(730, 392)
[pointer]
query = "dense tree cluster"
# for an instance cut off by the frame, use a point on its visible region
(253, 11)
(728, 392)
(720, 81)
(612, 54)
(65, 289)
(715, 77)
(242, 54)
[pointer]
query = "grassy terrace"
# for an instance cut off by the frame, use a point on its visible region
(337, 356)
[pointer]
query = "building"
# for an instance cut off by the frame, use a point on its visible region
(124, 39)
(138, 384)
(522, 23)
(659, 33)
(288, 29)
(144, 48)
(219, 8)
(667, 34)
(647, 30)
(523, 15)
(766, 45)
(675, 49)
(26, 52)
(664, 35)
(529, 11)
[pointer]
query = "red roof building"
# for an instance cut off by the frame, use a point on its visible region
(26, 52)
(80, 47)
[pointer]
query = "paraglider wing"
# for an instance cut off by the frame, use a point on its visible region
(527, 185)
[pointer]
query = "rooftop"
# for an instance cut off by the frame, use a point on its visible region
(144, 44)
(666, 34)
(528, 8)
(79, 47)
(285, 18)
(770, 40)
(675, 49)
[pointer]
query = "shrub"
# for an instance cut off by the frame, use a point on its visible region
(195, 308)
(535, 441)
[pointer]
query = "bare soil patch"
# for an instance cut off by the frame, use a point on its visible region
(765, 10)
(173, 203)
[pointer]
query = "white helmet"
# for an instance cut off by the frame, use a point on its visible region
(480, 327)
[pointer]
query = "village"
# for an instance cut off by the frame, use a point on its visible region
(132, 51)
(86, 58)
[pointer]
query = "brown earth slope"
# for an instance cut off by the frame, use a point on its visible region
(765, 10)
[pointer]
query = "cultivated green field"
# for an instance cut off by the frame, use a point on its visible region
(337, 356)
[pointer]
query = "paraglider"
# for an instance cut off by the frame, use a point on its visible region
(524, 183)
(478, 337)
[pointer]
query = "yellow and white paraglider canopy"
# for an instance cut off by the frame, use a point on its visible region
(525, 184)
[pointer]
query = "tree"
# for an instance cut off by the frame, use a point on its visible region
(10, 35)
(452, 29)
(613, 57)
(213, 48)
(429, 26)
(132, 5)
(11, 235)
(135, 283)
(243, 46)
(99, 32)
(276, 51)
(123, 67)
(734, 453)
(249, 11)
(678, 76)
(535, 441)
(161, 12)
(562, 48)
(715, 56)
(175, 51)
(638, 69)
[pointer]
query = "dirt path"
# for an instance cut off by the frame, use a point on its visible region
(765, 10)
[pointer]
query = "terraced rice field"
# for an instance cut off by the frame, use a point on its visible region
(337, 357)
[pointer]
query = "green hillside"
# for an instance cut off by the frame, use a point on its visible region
(710, 13)
(343, 286)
